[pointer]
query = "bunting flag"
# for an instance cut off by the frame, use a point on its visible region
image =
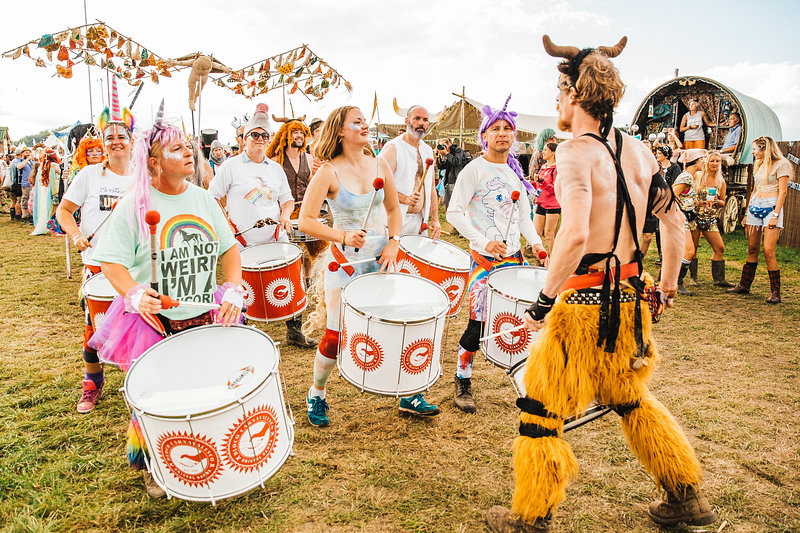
(300, 70)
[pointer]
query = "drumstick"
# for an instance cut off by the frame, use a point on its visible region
(113, 205)
(425, 226)
(259, 224)
(169, 303)
(377, 185)
(493, 335)
(333, 266)
(428, 163)
(514, 198)
(152, 218)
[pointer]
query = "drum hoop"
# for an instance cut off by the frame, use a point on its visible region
(441, 315)
(128, 374)
(433, 263)
(500, 292)
(97, 297)
(297, 254)
(395, 394)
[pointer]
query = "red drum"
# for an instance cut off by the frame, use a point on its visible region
(438, 261)
(99, 294)
(273, 282)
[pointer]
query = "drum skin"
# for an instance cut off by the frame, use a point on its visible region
(390, 340)
(99, 294)
(274, 291)
(215, 427)
(510, 291)
(437, 261)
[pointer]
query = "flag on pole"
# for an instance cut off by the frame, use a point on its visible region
(374, 106)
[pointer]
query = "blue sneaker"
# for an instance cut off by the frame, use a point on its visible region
(317, 411)
(416, 405)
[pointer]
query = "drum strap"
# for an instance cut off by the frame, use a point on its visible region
(338, 255)
(486, 263)
(534, 407)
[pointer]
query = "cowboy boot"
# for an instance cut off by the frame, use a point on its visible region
(718, 273)
(681, 289)
(295, 336)
(685, 505)
(501, 520)
(774, 286)
(748, 274)
(693, 272)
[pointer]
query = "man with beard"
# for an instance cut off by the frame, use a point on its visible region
(416, 189)
(596, 342)
(288, 150)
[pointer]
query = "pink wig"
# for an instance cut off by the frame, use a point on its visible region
(164, 135)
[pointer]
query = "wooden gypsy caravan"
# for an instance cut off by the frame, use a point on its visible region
(665, 106)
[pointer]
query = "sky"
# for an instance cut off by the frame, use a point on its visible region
(417, 51)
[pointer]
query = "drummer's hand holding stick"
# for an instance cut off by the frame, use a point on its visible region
(514, 200)
(377, 185)
(286, 212)
(497, 249)
(434, 229)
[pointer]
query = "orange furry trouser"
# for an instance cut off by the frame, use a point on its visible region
(566, 371)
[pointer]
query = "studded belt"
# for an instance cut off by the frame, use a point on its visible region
(592, 297)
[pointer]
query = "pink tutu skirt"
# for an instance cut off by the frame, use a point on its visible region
(123, 337)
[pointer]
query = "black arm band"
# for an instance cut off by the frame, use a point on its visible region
(540, 307)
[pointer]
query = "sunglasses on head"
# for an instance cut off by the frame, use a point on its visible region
(256, 136)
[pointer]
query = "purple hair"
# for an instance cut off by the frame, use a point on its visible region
(490, 116)
(164, 135)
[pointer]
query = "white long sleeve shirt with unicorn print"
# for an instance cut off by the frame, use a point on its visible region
(481, 205)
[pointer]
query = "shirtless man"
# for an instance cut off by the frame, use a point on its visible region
(406, 155)
(611, 354)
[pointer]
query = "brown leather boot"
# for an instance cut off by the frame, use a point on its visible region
(463, 395)
(501, 520)
(685, 505)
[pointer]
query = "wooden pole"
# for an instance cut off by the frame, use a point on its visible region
(461, 122)
(89, 69)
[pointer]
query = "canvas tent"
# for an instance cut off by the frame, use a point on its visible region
(449, 125)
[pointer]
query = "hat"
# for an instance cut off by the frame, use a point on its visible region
(21, 148)
(691, 155)
(260, 119)
(314, 121)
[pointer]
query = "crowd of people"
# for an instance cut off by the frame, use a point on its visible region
(585, 196)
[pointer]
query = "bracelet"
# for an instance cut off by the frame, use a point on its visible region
(344, 236)
(75, 238)
(774, 214)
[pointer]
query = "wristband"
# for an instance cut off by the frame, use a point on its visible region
(344, 236)
(75, 238)
(133, 298)
(540, 307)
(233, 296)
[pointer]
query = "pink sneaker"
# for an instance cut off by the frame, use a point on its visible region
(91, 393)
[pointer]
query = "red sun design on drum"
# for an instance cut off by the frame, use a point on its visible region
(249, 294)
(417, 356)
(454, 287)
(407, 266)
(367, 354)
(511, 343)
(192, 459)
(251, 440)
(279, 292)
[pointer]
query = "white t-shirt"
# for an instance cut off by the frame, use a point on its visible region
(481, 205)
(254, 191)
(95, 193)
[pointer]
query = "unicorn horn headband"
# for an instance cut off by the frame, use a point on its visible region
(115, 115)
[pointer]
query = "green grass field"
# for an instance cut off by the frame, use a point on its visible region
(729, 374)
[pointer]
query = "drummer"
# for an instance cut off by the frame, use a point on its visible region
(479, 209)
(193, 235)
(346, 181)
(406, 155)
(93, 190)
(256, 188)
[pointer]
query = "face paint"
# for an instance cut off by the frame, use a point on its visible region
(354, 126)
(173, 156)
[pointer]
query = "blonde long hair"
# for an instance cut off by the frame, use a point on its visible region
(772, 154)
(330, 144)
(702, 181)
(318, 316)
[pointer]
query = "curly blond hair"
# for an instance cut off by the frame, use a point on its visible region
(599, 86)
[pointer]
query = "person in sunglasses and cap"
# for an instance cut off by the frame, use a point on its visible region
(255, 188)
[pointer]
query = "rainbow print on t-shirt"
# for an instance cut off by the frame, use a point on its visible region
(186, 229)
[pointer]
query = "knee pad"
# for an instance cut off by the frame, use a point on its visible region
(90, 356)
(329, 345)
(470, 340)
(623, 409)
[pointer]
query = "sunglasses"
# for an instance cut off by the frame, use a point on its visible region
(256, 136)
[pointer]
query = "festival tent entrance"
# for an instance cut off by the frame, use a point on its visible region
(460, 121)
